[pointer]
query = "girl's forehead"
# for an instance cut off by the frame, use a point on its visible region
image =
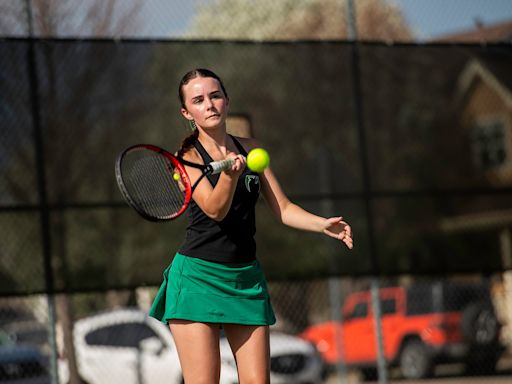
(201, 85)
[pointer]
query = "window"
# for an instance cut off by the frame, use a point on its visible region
(128, 335)
(488, 144)
(360, 311)
(388, 306)
(420, 299)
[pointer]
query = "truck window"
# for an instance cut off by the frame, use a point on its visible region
(388, 306)
(360, 311)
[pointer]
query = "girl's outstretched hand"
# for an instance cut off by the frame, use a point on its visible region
(337, 228)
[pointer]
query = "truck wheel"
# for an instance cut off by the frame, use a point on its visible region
(479, 324)
(415, 361)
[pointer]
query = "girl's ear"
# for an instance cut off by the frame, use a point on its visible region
(186, 114)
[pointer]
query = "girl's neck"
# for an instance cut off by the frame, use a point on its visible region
(214, 139)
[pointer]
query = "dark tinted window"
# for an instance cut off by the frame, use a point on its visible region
(388, 306)
(360, 310)
(12, 315)
(456, 298)
(439, 297)
(419, 300)
(120, 335)
(35, 336)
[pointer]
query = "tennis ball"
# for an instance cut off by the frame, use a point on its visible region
(176, 176)
(257, 160)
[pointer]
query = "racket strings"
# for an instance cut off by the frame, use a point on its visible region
(148, 177)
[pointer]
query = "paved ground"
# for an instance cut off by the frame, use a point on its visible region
(447, 374)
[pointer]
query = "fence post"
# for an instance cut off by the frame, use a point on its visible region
(335, 305)
(379, 338)
(42, 195)
(359, 121)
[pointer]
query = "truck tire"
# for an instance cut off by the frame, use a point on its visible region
(479, 324)
(415, 361)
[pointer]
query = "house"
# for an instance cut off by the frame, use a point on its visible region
(485, 96)
(484, 99)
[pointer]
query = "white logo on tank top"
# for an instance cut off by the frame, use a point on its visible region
(252, 183)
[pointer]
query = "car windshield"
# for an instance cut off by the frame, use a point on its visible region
(128, 335)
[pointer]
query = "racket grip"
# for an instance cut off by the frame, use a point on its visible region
(221, 165)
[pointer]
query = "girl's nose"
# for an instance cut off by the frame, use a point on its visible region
(208, 102)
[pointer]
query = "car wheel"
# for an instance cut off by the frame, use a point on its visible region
(415, 361)
(479, 324)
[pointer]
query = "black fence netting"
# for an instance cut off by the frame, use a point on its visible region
(411, 144)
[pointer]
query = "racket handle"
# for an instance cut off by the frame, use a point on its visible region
(219, 166)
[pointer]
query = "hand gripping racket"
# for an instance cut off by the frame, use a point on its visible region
(154, 182)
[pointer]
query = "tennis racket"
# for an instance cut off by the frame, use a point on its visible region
(154, 182)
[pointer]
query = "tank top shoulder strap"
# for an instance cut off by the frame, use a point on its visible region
(206, 159)
(241, 149)
(205, 155)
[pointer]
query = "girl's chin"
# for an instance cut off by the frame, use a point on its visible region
(214, 125)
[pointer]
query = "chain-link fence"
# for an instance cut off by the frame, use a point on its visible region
(411, 143)
(417, 166)
(429, 327)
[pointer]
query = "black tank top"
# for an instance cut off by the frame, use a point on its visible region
(230, 240)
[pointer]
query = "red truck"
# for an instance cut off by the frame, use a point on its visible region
(422, 325)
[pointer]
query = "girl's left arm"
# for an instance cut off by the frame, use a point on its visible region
(295, 216)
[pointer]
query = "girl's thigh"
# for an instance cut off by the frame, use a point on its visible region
(251, 348)
(198, 350)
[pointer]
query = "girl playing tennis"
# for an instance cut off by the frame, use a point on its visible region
(215, 280)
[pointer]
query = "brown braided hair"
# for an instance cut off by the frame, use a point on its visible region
(188, 142)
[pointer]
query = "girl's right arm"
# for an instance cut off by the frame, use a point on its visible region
(216, 201)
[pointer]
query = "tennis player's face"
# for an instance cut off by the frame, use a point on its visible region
(205, 102)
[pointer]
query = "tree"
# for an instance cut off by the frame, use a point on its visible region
(298, 19)
(50, 18)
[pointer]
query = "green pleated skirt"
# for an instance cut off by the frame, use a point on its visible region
(199, 290)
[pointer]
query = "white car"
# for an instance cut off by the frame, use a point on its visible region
(129, 347)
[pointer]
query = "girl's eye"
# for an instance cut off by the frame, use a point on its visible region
(196, 101)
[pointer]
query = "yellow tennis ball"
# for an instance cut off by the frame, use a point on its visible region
(257, 160)
(176, 176)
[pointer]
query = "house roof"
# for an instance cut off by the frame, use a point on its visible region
(499, 32)
(492, 66)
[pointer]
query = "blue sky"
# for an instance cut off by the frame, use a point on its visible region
(431, 18)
